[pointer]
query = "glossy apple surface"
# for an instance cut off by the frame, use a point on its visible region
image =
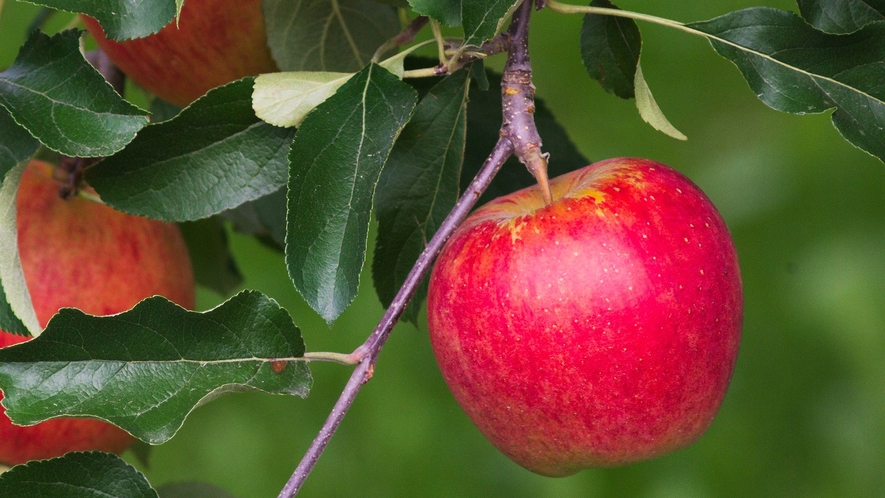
(215, 42)
(82, 254)
(597, 331)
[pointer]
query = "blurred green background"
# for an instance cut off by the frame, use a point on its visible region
(805, 414)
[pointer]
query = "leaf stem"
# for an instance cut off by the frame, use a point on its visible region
(564, 8)
(340, 358)
(440, 41)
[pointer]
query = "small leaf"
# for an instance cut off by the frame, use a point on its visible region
(284, 99)
(649, 110)
(17, 144)
(336, 160)
(17, 314)
(794, 68)
(841, 16)
(419, 186)
(214, 155)
(76, 475)
(334, 35)
(121, 19)
(63, 101)
(610, 48)
(447, 12)
(146, 369)
(482, 19)
(214, 265)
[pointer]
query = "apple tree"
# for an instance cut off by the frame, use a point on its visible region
(340, 143)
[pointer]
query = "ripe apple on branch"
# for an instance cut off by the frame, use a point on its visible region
(581, 320)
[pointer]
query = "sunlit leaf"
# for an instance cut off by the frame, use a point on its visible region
(17, 314)
(649, 110)
(284, 99)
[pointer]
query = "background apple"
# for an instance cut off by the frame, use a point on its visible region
(213, 43)
(82, 254)
(597, 331)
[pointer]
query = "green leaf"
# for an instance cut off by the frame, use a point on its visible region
(483, 123)
(841, 16)
(284, 99)
(610, 48)
(192, 490)
(63, 101)
(121, 19)
(794, 68)
(447, 12)
(264, 218)
(649, 110)
(146, 369)
(76, 475)
(214, 265)
(482, 19)
(214, 155)
(336, 160)
(17, 314)
(162, 110)
(8, 321)
(17, 144)
(419, 186)
(332, 35)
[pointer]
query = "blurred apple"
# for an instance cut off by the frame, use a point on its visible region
(600, 330)
(82, 254)
(213, 43)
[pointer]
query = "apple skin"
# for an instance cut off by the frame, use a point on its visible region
(214, 43)
(82, 254)
(598, 331)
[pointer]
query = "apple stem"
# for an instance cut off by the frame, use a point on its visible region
(369, 350)
(518, 101)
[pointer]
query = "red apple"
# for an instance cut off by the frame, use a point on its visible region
(597, 331)
(85, 255)
(214, 42)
